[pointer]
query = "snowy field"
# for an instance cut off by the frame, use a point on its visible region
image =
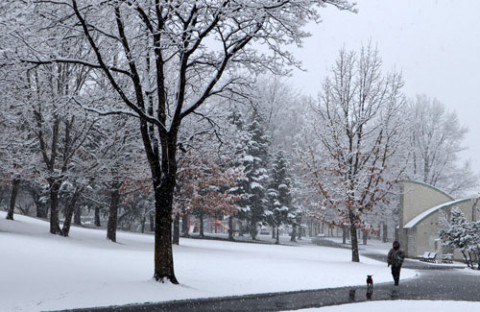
(402, 306)
(42, 272)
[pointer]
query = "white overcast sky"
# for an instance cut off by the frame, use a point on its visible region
(434, 43)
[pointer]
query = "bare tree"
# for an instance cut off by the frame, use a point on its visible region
(14, 162)
(356, 129)
(436, 144)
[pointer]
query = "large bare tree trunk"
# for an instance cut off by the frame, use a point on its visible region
(185, 225)
(164, 267)
(77, 215)
(13, 197)
(164, 182)
(113, 211)
(42, 207)
(253, 229)
(69, 209)
(385, 232)
(354, 238)
(97, 216)
(54, 203)
(231, 229)
(293, 237)
(202, 224)
(142, 223)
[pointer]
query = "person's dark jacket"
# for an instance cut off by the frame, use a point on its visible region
(395, 256)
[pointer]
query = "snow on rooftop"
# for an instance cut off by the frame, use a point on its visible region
(412, 223)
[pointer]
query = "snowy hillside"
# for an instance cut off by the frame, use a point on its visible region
(42, 272)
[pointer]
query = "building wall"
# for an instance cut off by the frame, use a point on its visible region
(422, 206)
(418, 197)
(424, 235)
(427, 231)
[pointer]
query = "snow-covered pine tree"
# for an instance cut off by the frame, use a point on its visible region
(456, 232)
(252, 154)
(474, 247)
(279, 195)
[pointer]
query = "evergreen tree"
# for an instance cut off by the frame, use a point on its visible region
(455, 233)
(459, 233)
(252, 155)
(279, 195)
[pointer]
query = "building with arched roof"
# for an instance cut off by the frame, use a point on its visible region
(421, 207)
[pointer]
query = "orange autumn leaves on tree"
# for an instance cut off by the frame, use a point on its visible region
(204, 185)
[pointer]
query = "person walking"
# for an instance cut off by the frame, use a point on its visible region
(395, 259)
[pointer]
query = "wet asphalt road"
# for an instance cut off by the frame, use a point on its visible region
(434, 283)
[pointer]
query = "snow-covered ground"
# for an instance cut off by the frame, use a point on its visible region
(43, 272)
(401, 306)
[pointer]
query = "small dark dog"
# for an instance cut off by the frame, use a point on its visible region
(369, 287)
